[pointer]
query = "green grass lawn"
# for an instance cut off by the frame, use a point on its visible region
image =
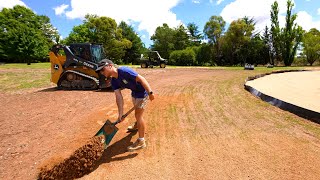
(25, 66)
(15, 77)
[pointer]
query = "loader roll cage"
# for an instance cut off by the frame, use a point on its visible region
(81, 54)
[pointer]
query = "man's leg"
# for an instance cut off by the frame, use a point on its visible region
(140, 121)
(140, 143)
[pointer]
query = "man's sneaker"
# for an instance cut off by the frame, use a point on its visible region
(133, 127)
(139, 144)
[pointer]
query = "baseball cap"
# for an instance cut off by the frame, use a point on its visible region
(103, 63)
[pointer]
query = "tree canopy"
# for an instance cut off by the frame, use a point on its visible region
(137, 48)
(285, 40)
(103, 30)
(25, 36)
(311, 44)
(163, 40)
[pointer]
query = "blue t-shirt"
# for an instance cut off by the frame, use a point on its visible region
(127, 79)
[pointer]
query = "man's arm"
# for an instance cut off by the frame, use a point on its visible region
(146, 85)
(119, 100)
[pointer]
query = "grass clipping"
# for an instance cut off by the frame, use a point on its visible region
(81, 162)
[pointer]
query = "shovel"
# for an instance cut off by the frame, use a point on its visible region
(109, 129)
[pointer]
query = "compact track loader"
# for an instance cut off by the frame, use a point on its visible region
(73, 67)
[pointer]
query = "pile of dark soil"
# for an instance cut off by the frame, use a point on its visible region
(81, 162)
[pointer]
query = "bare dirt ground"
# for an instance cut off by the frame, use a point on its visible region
(202, 125)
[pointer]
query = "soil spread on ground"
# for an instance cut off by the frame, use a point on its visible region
(81, 162)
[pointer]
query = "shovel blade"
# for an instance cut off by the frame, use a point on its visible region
(108, 130)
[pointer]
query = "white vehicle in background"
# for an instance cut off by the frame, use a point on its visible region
(248, 66)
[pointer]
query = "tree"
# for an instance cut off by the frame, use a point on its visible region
(205, 55)
(213, 31)
(104, 30)
(24, 36)
(181, 39)
(101, 30)
(252, 50)
(163, 40)
(238, 37)
(136, 49)
(311, 45)
(50, 32)
(256, 51)
(194, 34)
(184, 57)
(267, 49)
(287, 39)
(79, 34)
(276, 32)
(292, 35)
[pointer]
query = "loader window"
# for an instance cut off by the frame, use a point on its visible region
(76, 51)
(85, 53)
(81, 51)
(97, 53)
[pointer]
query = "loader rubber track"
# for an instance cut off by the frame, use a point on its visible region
(74, 80)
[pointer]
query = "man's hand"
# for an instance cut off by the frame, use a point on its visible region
(121, 118)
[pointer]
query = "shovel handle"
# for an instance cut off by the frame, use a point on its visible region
(133, 108)
(124, 116)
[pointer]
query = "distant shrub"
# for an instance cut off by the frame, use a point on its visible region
(186, 57)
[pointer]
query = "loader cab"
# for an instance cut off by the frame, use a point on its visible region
(88, 52)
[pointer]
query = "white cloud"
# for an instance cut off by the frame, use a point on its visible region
(196, 1)
(306, 22)
(60, 9)
(219, 1)
(258, 9)
(11, 3)
(319, 11)
(149, 14)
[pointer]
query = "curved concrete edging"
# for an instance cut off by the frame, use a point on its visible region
(300, 111)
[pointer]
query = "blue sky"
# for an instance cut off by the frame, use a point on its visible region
(146, 15)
